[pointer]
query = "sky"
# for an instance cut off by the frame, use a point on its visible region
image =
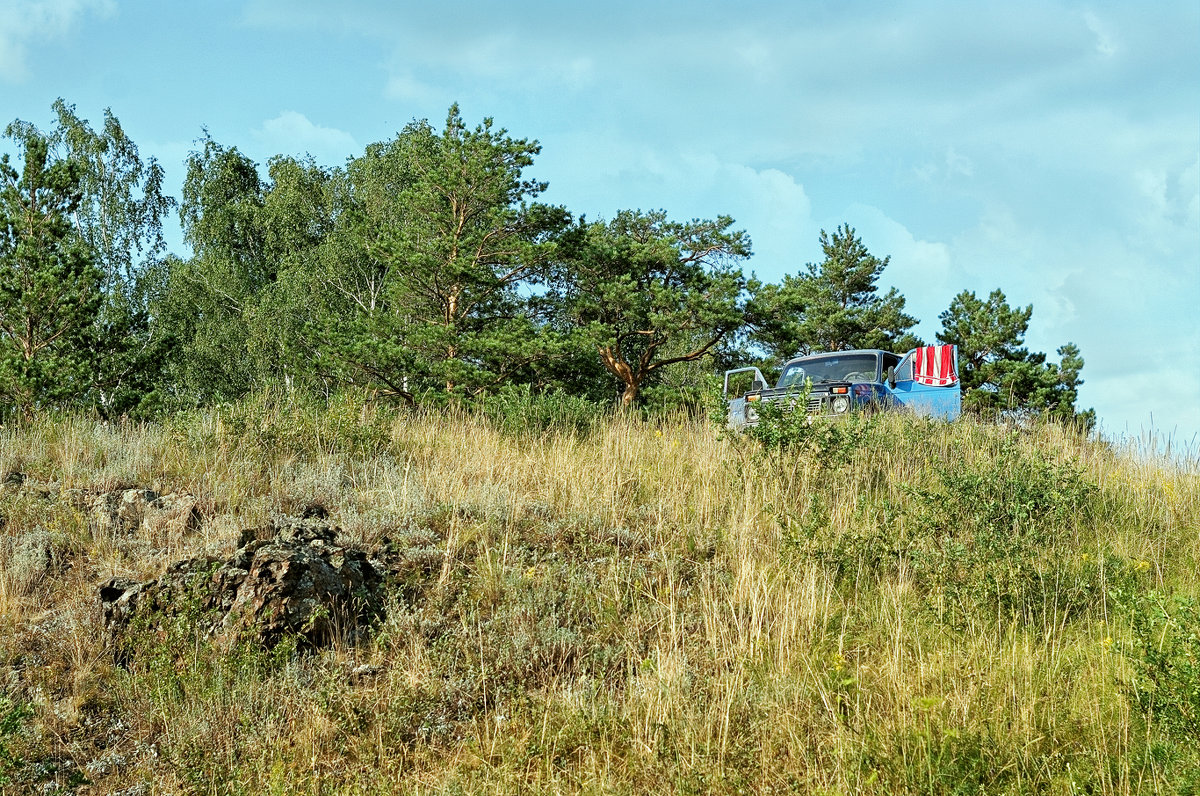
(1049, 149)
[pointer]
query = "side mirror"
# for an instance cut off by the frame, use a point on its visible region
(891, 376)
(757, 386)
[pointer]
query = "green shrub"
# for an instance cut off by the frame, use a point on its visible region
(1164, 689)
(1165, 655)
(780, 427)
(998, 536)
(275, 422)
(518, 410)
(13, 717)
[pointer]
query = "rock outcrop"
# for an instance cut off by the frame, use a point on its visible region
(290, 580)
(140, 512)
(118, 512)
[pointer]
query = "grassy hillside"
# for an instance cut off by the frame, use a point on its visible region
(607, 605)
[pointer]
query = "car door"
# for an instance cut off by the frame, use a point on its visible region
(735, 392)
(926, 382)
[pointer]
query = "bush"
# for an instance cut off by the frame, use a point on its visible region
(518, 410)
(997, 536)
(13, 717)
(277, 421)
(1164, 654)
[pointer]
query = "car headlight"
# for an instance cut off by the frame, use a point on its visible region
(751, 413)
(840, 405)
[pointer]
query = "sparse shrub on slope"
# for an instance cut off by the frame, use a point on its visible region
(519, 410)
(1000, 536)
(989, 529)
(1164, 686)
(273, 423)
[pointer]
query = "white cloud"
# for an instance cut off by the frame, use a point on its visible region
(922, 270)
(598, 173)
(292, 133)
(959, 165)
(1105, 43)
(1189, 187)
(405, 87)
(28, 22)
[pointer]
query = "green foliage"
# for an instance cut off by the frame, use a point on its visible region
(834, 306)
(1164, 689)
(50, 287)
(235, 307)
(274, 421)
(170, 664)
(647, 293)
(783, 423)
(935, 759)
(211, 298)
(999, 536)
(119, 219)
(1165, 655)
(14, 718)
(425, 284)
(784, 427)
(998, 373)
(992, 536)
(518, 410)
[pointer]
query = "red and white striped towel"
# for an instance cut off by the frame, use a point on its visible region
(934, 365)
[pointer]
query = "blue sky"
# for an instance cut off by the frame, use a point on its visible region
(1051, 149)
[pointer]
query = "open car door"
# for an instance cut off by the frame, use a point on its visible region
(926, 382)
(738, 382)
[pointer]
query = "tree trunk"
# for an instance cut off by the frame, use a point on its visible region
(630, 380)
(629, 395)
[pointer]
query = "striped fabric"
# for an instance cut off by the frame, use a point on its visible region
(934, 365)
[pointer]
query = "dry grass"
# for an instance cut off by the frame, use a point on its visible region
(639, 607)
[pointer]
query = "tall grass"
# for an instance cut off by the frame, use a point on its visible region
(595, 603)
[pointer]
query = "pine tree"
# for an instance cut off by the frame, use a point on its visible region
(647, 293)
(50, 287)
(998, 373)
(834, 306)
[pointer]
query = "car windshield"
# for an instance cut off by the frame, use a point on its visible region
(830, 367)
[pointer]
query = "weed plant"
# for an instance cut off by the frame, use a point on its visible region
(590, 602)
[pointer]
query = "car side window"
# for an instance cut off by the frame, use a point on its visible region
(903, 368)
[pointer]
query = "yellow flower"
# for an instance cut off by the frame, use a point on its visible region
(1107, 643)
(1141, 566)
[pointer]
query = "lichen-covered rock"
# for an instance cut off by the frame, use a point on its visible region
(292, 580)
(171, 516)
(28, 557)
(129, 512)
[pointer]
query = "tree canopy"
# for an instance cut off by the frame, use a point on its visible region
(648, 293)
(426, 268)
(998, 373)
(430, 262)
(833, 305)
(50, 286)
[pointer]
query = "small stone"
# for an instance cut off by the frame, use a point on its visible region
(364, 671)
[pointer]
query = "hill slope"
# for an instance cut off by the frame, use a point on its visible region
(608, 605)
